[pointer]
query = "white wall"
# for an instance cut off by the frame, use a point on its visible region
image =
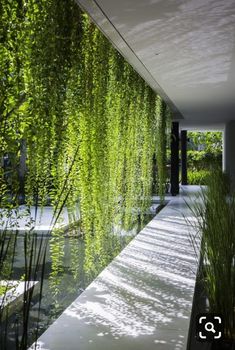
(229, 150)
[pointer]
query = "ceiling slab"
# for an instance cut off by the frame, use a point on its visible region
(184, 49)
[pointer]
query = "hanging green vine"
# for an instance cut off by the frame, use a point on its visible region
(88, 121)
(161, 112)
(12, 96)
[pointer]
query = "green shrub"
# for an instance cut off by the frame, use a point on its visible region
(203, 160)
(198, 177)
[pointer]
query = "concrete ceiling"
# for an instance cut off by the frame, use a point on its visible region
(185, 49)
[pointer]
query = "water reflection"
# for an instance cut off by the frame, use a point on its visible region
(65, 276)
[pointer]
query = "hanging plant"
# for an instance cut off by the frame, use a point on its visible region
(161, 145)
(12, 96)
(49, 40)
(87, 120)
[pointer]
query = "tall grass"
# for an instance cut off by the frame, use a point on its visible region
(15, 320)
(215, 220)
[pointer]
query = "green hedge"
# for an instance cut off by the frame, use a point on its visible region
(198, 177)
(202, 159)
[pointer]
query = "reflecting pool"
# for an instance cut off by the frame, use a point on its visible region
(62, 276)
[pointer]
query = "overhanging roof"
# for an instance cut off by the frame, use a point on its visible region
(183, 49)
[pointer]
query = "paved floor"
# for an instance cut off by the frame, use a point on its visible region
(143, 299)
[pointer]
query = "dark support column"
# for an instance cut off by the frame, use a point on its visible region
(184, 179)
(175, 158)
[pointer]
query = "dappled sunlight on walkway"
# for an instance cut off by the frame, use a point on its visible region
(143, 298)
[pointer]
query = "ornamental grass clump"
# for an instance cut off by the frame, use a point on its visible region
(215, 221)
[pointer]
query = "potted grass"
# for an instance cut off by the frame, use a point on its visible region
(215, 221)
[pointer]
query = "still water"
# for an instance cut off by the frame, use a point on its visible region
(64, 277)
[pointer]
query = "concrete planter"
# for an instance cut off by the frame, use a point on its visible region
(13, 298)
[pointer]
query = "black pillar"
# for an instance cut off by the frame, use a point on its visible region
(175, 158)
(184, 179)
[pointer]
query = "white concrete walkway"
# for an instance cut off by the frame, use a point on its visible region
(143, 299)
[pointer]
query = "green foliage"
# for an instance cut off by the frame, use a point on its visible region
(90, 126)
(57, 254)
(199, 177)
(202, 160)
(47, 70)
(33, 254)
(162, 140)
(12, 96)
(90, 123)
(211, 141)
(4, 289)
(210, 154)
(215, 221)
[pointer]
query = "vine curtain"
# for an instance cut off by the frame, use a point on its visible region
(90, 123)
